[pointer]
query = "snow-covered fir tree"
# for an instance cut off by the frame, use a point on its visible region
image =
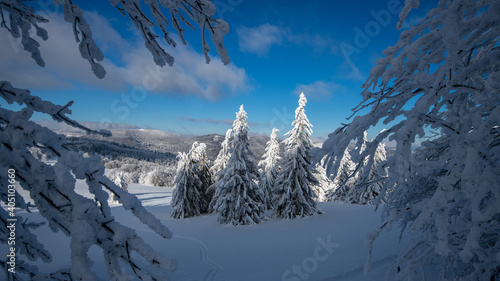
(120, 181)
(441, 75)
(201, 167)
(324, 185)
(368, 187)
(219, 164)
(223, 156)
(269, 167)
(342, 179)
(238, 199)
(294, 196)
(87, 221)
(187, 200)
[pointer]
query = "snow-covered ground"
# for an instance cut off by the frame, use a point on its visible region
(331, 246)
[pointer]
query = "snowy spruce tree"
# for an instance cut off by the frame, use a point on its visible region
(442, 76)
(238, 199)
(219, 164)
(367, 187)
(324, 186)
(223, 156)
(294, 196)
(342, 179)
(88, 222)
(120, 181)
(269, 168)
(187, 199)
(201, 167)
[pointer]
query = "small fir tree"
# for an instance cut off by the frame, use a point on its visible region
(219, 164)
(200, 165)
(342, 181)
(369, 184)
(223, 156)
(186, 197)
(270, 168)
(238, 199)
(121, 182)
(294, 194)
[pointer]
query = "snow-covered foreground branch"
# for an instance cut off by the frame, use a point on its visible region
(87, 221)
(441, 76)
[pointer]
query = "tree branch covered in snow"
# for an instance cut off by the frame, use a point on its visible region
(441, 75)
(87, 221)
(21, 18)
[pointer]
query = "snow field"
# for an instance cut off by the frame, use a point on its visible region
(331, 246)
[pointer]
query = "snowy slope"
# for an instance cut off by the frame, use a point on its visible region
(330, 246)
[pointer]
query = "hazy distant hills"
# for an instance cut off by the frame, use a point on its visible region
(148, 143)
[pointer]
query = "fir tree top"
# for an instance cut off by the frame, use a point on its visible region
(240, 123)
(302, 128)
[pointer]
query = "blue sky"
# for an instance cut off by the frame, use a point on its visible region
(277, 50)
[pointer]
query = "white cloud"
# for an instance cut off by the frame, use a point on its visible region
(258, 40)
(190, 75)
(318, 90)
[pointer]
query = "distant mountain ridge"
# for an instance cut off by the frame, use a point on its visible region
(161, 142)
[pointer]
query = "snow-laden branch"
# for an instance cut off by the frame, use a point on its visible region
(87, 221)
(442, 75)
(22, 18)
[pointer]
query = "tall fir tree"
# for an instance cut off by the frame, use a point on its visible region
(238, 199)
(186, 197)
(270, 168)
(294, 197)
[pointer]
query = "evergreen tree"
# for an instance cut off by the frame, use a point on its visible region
(200, 165)
(238, 199)
(223, 156)
(270, 168)
(294, 195)
(219, 164)
(369, 185)
(342, 181)
(186, 197)
(121, 182)
(324, 185)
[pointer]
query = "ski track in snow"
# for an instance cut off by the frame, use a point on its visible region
(212, 274)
